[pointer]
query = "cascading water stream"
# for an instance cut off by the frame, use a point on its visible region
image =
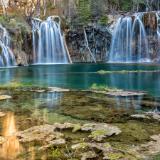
(139, 42)
(49, 46)
(121, 42)
(129, 42)
(7, 58)
(158, 30)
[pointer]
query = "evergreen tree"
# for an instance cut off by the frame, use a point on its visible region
(84, 11)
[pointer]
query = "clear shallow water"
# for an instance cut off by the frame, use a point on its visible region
(28, 108)
(82, 76)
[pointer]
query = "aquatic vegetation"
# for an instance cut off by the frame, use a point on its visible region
(56, 153)
(97, 87)
(47, 131)
(14, 85)
(103, 72)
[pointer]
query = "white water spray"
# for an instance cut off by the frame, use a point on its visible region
(49, 46)
(7, 58)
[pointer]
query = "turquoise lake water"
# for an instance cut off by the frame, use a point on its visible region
(83, 76)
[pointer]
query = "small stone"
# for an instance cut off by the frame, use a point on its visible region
(140, 116)
(2, 114)
(56, 89)
(39, 91)
(4, 97)
(58, 142)
(76, 128)
(64, 126)
(80, 146)
(105, 147)
(2, 140)
(88, 155)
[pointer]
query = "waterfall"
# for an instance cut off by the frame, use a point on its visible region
(129, 42)
(7, 58)
(158, 31)
(121, 42)
(49, 46)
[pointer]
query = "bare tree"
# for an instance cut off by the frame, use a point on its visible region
(4, 5)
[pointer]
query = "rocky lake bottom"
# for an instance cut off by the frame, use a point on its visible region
(53, 123)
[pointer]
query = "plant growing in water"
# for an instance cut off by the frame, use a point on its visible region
(96, 87)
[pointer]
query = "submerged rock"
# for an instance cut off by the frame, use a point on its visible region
(52, 135)
(125, 93)
(105, 147)
(56, 142)
(147, 115)
(108, 152)
(144, 151)
(140, 116)
(119, 93)
(64, 126)
(56, 89)
(88, 155)
(45, 133)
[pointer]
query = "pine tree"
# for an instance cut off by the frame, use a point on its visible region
(84, 11)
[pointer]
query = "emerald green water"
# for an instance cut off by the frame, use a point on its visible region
(82, 76)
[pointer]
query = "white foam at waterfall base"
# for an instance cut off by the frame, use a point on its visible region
(49, 46)
(7, 58)
(129, 42)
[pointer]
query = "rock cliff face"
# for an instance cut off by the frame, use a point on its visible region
(86, 42)
(21, 38)
(89, 44)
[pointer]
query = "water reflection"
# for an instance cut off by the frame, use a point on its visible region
(7, 75)
(49, 99)
(82, 76)
(11, 147)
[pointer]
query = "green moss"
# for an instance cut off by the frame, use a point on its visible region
(102, 88)
(14, 85)
(135, 132)
(103, 20)
(97, 133)
(115, 156)
(56, 153)
(76, 128)
(102, 72)
(157, 157)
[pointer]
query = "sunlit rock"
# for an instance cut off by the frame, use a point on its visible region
(146, 150)
(39, 133)
(56, 142)
(2, 140)
(56, 89)
(147, 115)
(4, 97)
(108, 152)
(88, 155)
(2, 114)
(99, 131)
(125, 93)
(64, 126)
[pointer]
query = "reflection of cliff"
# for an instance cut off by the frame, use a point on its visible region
(11, 147)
